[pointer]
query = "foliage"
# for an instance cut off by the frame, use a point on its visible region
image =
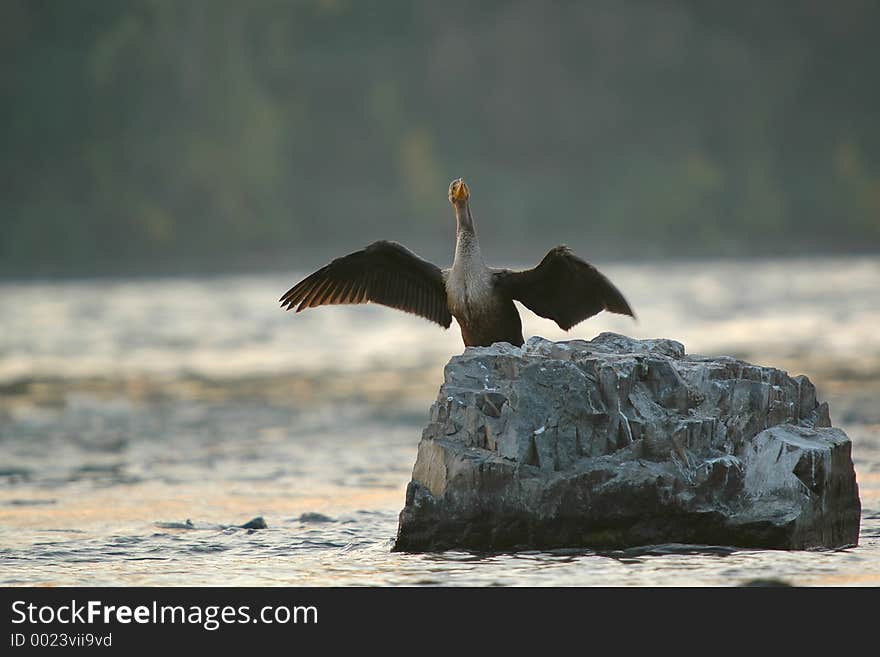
(159, 135)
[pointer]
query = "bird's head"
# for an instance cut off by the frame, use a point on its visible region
(458, 192)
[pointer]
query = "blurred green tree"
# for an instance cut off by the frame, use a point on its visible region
(163, 136)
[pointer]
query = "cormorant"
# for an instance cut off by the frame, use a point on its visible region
(562, 287)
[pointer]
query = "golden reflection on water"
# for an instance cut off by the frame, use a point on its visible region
(209, 502)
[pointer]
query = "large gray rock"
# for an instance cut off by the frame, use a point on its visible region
(620, 442)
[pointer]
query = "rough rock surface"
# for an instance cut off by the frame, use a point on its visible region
(619, 442)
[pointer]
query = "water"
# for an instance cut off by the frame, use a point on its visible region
(128, 408)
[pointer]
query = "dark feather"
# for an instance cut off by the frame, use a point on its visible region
(563, 288)
(385, 273)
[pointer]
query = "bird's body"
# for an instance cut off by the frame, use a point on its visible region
(562, 287)
(484, 315)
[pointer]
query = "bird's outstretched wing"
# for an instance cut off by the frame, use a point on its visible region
(385, 273)
(563, 288)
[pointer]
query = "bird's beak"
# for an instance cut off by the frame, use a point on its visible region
(459, 190)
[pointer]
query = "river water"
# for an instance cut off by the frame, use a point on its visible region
(143, 421)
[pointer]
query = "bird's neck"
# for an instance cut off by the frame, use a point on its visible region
(467, 247)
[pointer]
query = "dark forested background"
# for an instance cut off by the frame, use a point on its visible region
(191, 135)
